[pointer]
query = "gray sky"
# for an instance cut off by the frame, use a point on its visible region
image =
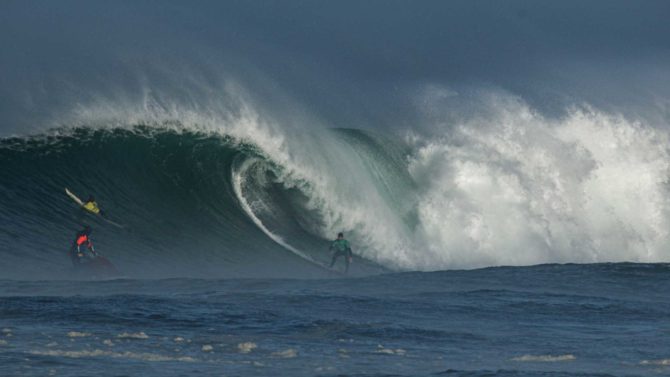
(351, 63)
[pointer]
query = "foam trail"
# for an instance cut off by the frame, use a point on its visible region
(238, 178)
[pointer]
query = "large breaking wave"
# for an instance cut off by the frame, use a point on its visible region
(247, 197)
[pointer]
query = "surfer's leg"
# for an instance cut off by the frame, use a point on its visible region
(73, 256)
(335, 255)
(347, 257)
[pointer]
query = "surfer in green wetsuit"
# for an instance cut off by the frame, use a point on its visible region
(341, 247)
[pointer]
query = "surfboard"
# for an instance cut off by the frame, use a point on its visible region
(74, 197)
(81, 204)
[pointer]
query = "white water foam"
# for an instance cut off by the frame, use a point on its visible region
(390, 351)
(103, 353)
(661, 362)
(77, 334)
(545, 358)
(520, 189)
(285, 354)
(246, 347)
(136, 335)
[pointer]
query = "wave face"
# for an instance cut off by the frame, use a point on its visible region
(191, 203)
(508, 188)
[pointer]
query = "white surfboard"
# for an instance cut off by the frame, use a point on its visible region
(74, 197)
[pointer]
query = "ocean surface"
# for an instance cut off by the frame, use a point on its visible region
(547, 320)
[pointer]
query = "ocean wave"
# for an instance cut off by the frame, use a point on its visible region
(510, 187)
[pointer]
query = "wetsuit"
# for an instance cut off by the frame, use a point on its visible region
(76, 254)
(342, 248)
(92, 207)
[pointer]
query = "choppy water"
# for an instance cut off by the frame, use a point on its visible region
(554, 320)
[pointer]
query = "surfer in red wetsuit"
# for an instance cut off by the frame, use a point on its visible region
(83, 238)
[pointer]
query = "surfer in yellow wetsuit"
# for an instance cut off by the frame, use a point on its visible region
(92, 206)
